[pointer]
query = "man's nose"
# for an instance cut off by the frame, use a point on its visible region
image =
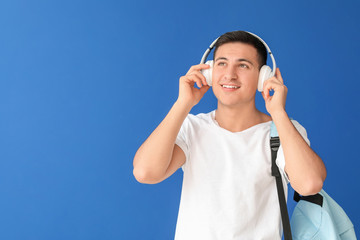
(231, 73)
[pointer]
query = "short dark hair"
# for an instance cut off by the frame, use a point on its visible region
(244, 37)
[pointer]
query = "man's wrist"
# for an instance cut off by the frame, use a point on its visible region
(184, 106)
(278, 115)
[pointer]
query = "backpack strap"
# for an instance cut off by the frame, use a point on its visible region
(274, 145)
(316, 199)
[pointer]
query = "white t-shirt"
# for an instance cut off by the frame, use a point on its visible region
(228, 191)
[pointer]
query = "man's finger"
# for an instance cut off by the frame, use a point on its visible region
(198, 67)
(278, 75)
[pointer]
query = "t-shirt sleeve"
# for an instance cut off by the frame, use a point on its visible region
(182, 139)
(280, 161)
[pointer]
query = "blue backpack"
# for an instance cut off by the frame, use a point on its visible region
(316, 217)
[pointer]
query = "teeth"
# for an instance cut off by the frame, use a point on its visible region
(228, 86)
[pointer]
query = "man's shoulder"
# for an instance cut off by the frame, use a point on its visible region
(201, 117)
(297, 125)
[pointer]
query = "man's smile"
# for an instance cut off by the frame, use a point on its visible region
(229, 86)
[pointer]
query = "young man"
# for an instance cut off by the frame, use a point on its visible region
(228, 191)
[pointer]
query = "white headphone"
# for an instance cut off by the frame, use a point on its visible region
(265, 72)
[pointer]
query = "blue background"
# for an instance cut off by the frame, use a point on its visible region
(83, 83)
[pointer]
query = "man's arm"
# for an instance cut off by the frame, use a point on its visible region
(159, 157)
(304, 167)
(153, 158)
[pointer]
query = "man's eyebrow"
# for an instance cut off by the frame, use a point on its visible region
(238, 60)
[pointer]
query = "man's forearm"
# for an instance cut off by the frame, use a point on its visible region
(154, 155)
(304, 167)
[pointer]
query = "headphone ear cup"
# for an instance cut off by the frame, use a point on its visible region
(265, 74)
(208, 72)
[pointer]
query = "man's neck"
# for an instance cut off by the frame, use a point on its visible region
(239, 118)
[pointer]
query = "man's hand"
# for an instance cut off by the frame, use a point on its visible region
(188, 93)
(275, 103)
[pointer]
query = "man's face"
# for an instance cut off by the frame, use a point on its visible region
(235, 74)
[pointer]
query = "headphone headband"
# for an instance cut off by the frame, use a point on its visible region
(207, 52)
(212, 45)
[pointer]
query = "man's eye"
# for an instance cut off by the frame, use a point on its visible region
(244, 66)
(221, 64)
